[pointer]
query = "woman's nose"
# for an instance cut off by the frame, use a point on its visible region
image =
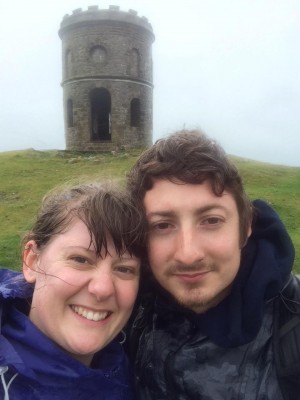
(101, 285)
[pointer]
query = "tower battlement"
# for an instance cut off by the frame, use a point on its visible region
(94, 14)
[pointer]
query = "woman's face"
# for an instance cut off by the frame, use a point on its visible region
(80, 301)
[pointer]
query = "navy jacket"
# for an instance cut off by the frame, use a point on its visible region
(226, 353)
(32, 367)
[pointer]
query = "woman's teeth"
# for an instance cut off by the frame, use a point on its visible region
(90, 315)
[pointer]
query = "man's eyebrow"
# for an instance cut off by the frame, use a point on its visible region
(200, 210)
(210, 207)
(161, 213)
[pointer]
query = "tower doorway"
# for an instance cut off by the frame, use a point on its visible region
(100, 99)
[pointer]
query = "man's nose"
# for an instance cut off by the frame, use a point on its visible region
(101, 284)
(189, 248)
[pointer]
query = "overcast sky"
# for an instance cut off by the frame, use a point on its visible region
(230, 67)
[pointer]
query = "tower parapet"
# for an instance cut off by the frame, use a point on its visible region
(113, 13)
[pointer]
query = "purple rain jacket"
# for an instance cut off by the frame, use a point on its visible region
(32, 367)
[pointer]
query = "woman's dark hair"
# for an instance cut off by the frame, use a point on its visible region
(105, 210)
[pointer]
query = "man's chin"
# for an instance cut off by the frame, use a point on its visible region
(197, 306)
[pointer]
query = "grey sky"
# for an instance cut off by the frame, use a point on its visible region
(229, 67)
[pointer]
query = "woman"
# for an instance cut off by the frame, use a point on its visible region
(60, 326)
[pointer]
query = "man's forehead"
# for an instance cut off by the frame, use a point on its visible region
(166, 195)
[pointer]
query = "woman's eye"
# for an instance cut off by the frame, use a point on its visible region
(79, 259)
(127, 271)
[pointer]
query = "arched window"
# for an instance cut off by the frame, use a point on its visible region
(100, 101)
(135, 112)
(70, 113)
(98, 54)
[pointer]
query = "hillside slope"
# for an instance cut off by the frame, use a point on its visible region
(25, 177)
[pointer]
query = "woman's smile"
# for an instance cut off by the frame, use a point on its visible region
(90, 314)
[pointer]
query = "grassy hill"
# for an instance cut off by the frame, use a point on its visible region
(25, 177)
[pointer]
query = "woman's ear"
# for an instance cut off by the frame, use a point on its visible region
(249, 232)
(30, 259)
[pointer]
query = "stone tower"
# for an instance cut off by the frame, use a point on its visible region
(107, 79)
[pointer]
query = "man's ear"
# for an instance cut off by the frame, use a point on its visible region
(30, 259)
(249, 231)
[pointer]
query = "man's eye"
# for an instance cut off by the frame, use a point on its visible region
(162, 226)
(212, 221)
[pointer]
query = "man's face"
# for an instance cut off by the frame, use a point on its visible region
(193, 243)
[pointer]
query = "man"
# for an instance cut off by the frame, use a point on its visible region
(211, 323)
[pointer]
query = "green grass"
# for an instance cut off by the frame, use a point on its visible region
(280, 187)
(26, 176)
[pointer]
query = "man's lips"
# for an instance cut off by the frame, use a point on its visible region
(191, 276)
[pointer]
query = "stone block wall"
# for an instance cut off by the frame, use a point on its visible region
(111, 50)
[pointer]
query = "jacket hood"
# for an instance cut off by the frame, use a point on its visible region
(266, 264)
(13, 285)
